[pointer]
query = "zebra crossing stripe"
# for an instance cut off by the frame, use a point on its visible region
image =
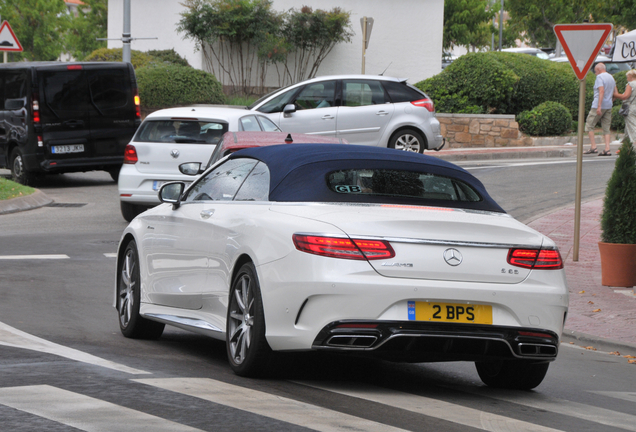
(431, 407)
(34, 257)
(268, 405)
(581, 411)
(83, 412)
(10, 336)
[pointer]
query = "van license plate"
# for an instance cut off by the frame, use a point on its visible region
(449, 312)
(61, 149)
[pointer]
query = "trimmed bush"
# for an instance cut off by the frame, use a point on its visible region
(168, 56)
(618, 121)
(469, 83)
(546, 119)
(474, 83)
(618, 220)
(137, 58)
(167, 85)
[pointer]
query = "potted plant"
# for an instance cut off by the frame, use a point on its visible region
(618, 222)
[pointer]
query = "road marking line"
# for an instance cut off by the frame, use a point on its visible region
(581, 411)
(33, 257)
(267, 405)
(110, 255)
(431, 407)
(521, 164)
(84, 412)
(12, 337)
(625, 396)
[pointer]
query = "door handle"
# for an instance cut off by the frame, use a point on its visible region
(73, 123)
(382, 113)
(327, 117)
(205, 214)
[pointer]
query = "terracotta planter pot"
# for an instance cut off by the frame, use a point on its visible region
(618, 264)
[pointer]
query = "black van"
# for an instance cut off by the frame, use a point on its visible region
(66, 117)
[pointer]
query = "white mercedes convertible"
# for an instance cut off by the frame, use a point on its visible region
(350, 249)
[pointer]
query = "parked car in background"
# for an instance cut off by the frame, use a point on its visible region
(610, 66)
(66, 117)
(345, 249)
(531, 51)
(168, 137)
(363, 109)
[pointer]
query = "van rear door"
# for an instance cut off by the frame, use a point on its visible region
(113, 114)
(65, 112)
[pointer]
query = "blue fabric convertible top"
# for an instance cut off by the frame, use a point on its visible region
(298, 173)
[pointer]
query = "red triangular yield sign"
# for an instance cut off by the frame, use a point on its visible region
(581, 43)
(8, 41)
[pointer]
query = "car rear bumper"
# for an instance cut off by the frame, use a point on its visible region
(142, 188)
(425, 341)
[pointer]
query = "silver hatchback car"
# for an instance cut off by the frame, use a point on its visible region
(362, 109)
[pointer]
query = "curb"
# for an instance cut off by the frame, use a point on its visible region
(604, 344)
(36, 200)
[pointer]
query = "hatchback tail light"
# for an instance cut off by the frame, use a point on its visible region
(130, 155)
(543, 259)
(345, 248)
(426, 103)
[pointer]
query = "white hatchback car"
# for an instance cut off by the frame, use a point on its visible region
(362, 109)
(170, 137)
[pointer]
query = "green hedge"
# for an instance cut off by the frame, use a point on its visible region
(137, 58)
(546, 119)
(168, 56)
(168, 85)
(504, 83)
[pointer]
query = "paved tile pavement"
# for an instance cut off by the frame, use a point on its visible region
(596, 311)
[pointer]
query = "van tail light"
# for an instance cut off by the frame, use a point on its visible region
(426, 103)
(130, 155)
(137, 102)
(540, 259)
(36, 109)
(345, 248)
(40, 141)
(74, 67)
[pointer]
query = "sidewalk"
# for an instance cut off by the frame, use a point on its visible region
(600, 317)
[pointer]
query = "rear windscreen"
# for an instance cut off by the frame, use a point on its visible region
(109, 88)
(402, 184)
(181, 131)
(65, 91)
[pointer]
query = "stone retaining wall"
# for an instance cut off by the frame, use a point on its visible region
(481, 130)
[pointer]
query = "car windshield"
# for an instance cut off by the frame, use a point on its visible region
(258, 101)
(181, 131)
(399, 183)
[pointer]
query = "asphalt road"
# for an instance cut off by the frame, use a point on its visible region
(64, 366)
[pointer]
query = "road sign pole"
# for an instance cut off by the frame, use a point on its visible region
(364, 41)
(579, 173)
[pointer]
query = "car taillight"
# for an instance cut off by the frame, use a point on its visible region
(137, 102)
(74, 67)
(426, 103)
(130, 155)
(36, 109)
(337, 247)
(544, 259)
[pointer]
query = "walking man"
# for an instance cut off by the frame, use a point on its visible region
(601, 108)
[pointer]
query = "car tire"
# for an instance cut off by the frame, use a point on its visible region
(131, 323)
(247, 349)
(114, 173)
(512, 374)
(19, 174)
(130, 211)
(408, 140)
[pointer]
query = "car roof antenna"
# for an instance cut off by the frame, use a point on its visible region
(289, 139)
(382, 74)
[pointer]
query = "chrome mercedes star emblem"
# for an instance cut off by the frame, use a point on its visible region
(453, 257)
(174, 153)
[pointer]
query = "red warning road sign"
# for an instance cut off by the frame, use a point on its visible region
(8, 40)
(581, 43)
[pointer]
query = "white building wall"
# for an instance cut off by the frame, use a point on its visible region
(407, 34)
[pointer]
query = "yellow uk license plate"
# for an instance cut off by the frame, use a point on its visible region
(449, 312)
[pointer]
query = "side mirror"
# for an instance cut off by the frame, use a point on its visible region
(191, 168)
(14, 104)
(171, 193)
(289, 108)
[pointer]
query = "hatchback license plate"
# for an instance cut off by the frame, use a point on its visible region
(74, 148)
(449, 312)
